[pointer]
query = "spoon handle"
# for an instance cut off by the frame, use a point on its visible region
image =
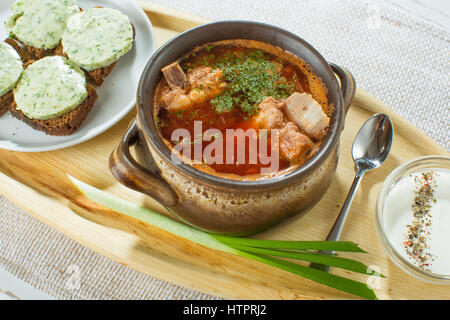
(336, 231)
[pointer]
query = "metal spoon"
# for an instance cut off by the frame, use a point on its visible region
(370, 149)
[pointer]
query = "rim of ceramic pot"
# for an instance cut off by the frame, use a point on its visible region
(207, 33)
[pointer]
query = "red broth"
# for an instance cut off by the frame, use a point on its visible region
(294, 70)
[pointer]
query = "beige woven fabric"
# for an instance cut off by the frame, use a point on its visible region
(400, 59)
(62, 268)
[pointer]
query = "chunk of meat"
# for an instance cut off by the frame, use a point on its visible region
(175, 76)
(206, 81)
(269, 118)
(307, 114)
(175, 99)
(293, 144)
(270, 102)
(269, 115)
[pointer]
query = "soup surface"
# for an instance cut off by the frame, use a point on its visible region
(236, 107)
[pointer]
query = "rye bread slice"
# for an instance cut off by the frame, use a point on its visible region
(5, 101)
(26, 57)
(28, 52)
(38, 53)
(98, 76)
(63, 125)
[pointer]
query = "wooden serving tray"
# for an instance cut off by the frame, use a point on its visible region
(37, 183)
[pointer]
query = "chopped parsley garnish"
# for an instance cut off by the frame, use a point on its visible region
(179, 114)
(251, 77)
(160, 123)
(193, 115)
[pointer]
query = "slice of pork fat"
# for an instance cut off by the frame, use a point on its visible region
(307, 114)
(175, 76)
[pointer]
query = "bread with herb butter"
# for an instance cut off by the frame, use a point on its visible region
(38, 25)
(95, 39)
(63, 125)
(11, 69)
(53, 96)
(26, 57)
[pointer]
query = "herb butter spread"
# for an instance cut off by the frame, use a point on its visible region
(50, 87)
(10, 68)
(97, 37)
(40, 23)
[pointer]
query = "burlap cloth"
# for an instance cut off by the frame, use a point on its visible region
(400, 59)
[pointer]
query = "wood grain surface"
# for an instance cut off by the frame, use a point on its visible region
(37, 183)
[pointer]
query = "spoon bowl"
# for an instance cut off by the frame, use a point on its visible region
(373, 142)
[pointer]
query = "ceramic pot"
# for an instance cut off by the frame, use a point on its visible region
(214, 203)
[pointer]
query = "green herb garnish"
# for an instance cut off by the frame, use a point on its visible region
(250, 78)
(193, 115)
(160, 123)
(179, 114)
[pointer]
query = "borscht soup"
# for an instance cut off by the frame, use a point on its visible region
(241, 109)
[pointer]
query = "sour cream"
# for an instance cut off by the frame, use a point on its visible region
(399, 215)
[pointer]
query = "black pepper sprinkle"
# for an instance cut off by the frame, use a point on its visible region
(419, 231)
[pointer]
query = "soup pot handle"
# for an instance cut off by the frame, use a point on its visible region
(348, 84)
(135, 176)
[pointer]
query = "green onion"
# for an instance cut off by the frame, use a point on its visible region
(346, 246)
(155, 219)
(343, 263)
(258, 250)
(331, 280)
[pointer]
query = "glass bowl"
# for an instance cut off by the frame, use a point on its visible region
(428, 162)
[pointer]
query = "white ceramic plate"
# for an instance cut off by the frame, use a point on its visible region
(116, 97)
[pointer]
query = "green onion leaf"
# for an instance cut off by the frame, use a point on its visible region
(325, 259)
(344, 246)
(153, 218)
(347, 285)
